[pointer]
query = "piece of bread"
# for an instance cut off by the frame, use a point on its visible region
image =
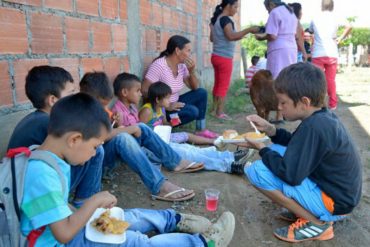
(230, 134)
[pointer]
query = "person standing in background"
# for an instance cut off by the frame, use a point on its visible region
(325, 49)
(302, 55)
(223, 37)
(280, 34)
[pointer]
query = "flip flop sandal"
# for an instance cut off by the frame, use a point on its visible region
(224, 116)
(167, 197)
(189, 168)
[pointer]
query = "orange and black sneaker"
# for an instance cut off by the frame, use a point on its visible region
(287, 216)
(304, 230)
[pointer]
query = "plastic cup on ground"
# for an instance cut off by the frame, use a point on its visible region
(212, 196)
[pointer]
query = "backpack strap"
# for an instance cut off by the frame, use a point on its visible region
(36, 154)
(50, 160)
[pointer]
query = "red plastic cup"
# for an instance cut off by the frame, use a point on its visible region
(175, 119)
(212, 196)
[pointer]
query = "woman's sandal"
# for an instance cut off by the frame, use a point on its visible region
(192, 167)
(167, 197)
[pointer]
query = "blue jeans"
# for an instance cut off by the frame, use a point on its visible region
(307, 194)
(128, 149)
(212, 159)
(195, 107)
(143, 221)
(86, 179)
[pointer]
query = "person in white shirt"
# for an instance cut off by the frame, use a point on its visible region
(325, 49)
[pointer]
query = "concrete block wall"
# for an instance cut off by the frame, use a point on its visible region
(88, 35)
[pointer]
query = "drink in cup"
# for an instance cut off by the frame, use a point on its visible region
(175, 119)
(212, 196)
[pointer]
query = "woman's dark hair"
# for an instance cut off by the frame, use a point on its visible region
(42, 81)
(302, 80)
(176, 41)
(297, 7)
(81, 113)
(158, 90)
(277, 3)
(97, 85)
(327, 5)
(124, 80)
(219, 8)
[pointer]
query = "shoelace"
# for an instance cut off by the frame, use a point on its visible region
(298, 224)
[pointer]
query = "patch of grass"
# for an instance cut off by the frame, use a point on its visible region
(234, 104)
(237, 104)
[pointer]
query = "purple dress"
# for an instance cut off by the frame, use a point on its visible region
(283, 51)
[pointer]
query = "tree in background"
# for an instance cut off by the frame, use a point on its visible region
(359, 37)
(252, 47)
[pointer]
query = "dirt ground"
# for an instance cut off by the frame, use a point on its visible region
(254, 213)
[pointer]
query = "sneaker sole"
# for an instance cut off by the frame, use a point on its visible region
(327, 235)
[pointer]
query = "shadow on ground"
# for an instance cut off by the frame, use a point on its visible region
(254, 213)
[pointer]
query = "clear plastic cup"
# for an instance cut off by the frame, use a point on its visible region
(212, 196)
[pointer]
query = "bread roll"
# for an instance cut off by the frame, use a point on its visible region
(230, 134)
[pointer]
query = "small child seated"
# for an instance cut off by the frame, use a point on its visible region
(127, 88)
(251, 71)
(125, 144)
(78, 125)
(314, 172)
(153, 113)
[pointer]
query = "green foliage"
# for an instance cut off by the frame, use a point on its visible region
(360, 36)
(254, 47)
(237, 104)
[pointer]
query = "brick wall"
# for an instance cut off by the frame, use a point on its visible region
(88, 35)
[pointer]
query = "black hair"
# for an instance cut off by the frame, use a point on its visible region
(81, 113)
(297, 7)
(42, 81)
(158, 90)
(97, 85)
(176, 41)
(255, 60)
(302, 80)
(219, 8)
(277, 3)
(124, 81)
(327, 5)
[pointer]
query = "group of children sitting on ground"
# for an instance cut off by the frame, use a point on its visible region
(314, 172)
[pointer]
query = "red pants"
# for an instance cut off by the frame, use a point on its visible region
(329, 66)
(223, 67)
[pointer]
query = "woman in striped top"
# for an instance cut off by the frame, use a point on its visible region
(175, 68)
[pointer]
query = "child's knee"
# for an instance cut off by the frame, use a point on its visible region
(261, 177)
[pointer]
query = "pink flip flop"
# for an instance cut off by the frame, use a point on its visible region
(224, 116)
(207, 134)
